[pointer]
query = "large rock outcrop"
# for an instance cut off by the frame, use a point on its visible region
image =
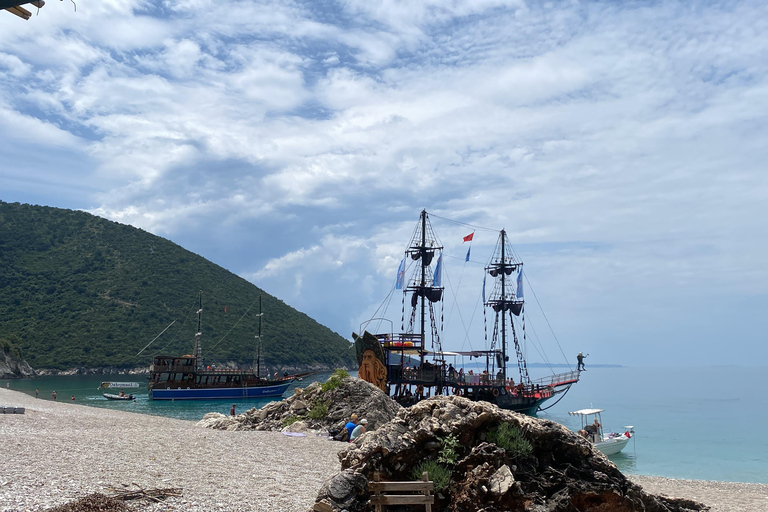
(13, 366)
(554, 470)
(318, 407)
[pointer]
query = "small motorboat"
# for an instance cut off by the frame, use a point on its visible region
(609, 443)
(121, 396)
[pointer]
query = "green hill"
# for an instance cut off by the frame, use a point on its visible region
(77, 290)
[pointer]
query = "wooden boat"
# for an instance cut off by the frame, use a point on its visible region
(387, 359)
(609, 443)
(185, 378)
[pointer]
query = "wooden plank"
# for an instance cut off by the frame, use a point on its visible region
(416, 486)
(394, 499)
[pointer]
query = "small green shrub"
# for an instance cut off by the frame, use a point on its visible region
(334, 381)
(448, 450)
(290, 421)
(510, 438)
(438, 473)
(318, 411)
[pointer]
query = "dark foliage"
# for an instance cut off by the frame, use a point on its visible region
(78, 290)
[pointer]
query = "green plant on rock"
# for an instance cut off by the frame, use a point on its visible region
(439, 474)
(290, 420)
(319, 410)
(448, 450)
(510, 438)
(334, 381)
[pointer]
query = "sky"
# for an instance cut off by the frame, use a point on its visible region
(621, 145)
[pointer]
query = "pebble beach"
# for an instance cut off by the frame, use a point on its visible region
(58, 452)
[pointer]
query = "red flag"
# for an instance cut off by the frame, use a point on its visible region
(468, 238)
(225, 309)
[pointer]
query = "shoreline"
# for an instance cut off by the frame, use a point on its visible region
(58, 452)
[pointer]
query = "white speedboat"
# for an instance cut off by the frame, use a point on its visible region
(608, 443)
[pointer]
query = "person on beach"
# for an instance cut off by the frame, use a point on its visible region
(37, 392)
(359, 430)
(73, 398)
(232, 410)
(580, 359)
(53, 395)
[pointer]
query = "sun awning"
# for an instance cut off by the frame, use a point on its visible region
(586, 412)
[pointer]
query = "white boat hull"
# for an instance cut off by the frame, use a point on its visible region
(612, 446)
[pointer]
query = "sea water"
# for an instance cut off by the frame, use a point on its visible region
(696, 423)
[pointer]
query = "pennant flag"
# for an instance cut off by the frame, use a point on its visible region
(520, 284)
(467, 258)
(483, 289)
(400, 275)
(468, 238)
(438, 279)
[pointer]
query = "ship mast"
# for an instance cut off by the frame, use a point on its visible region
(423, 284)
(258, 344)
(502, 265)
(503, 316)
(199, 333)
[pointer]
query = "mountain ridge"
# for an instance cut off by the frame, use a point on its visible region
(82, 291)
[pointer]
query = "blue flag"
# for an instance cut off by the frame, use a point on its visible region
(438, 279)
(520, 284)
(400, 275)
(467, 258)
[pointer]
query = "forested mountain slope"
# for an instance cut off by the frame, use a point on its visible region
(78, 290)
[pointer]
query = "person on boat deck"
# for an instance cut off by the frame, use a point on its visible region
(580, 361)
(351, 424)
(122, 393)
(360, 429)
(232, 410)
(596, 424)
(451, 372)
(461, 374)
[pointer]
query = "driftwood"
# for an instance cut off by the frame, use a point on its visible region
(156, 495)
(98, 502)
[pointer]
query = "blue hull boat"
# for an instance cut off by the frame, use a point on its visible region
(219, 393)
(185, 377)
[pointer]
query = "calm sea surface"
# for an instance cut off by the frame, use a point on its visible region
(698, 423)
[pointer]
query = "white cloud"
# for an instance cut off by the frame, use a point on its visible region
(623, 142)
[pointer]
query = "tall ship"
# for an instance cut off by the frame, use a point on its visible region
(185, 377)
(411, 365)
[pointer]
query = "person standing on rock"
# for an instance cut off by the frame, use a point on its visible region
(359, 430)
(232, 410)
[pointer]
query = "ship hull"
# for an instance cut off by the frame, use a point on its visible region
(218, 393)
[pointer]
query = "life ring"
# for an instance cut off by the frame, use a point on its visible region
(495, 391)
(189, 376)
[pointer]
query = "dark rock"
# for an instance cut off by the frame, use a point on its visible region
(561, 471)
(296, 412)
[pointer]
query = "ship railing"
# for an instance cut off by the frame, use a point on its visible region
(167, 368)
(560, 379)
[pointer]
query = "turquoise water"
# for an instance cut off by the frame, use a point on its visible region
(85, 389)
(697, 423)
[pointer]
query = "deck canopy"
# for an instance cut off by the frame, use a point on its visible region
(586, 412)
